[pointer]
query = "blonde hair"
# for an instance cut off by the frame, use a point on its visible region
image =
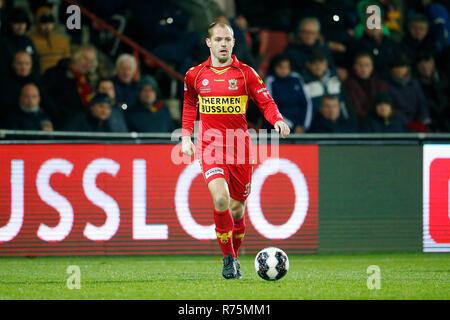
(219, 23)
(85, 47)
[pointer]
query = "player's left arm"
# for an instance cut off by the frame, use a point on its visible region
(261, 95)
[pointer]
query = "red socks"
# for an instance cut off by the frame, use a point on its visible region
(224, 231)
(230, 232)
(238, 234)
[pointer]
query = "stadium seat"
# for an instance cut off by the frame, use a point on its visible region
(271, 43)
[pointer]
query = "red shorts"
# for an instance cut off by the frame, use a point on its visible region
(238, 177)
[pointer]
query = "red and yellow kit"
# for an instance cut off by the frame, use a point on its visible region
(221, 96)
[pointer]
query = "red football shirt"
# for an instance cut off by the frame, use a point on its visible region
(221, 96)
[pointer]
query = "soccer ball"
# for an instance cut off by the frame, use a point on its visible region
(271, 263)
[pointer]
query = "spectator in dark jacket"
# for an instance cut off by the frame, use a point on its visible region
(149, 114)
(97, 119)
(321, 81)
(380, 47)
(287, 89)
(21, 74)
(29, 115)
(363, 85)
(418, 38)
(436, 88)
(164, 28)
(336, 19)
(407, 94)
(438, 17)
(329, 118)
(124, 83)
(70, 83)
(15, 39)
(383, 118)
(304, 42)
(117, 119)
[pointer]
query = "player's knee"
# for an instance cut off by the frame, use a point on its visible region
(221, 202)
(237, 210)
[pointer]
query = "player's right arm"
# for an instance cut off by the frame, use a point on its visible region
(190, 106)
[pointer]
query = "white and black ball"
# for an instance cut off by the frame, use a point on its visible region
(271, 263)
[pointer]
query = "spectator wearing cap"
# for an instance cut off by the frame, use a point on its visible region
(29, 116)
(20, 75)
(149, 114)
(407, 94)
(329, 119)
(124, 83)
(15, 40)
(320, 80)
(383, 118)
(117, 119)
(287, 89)
(97, 119)
(51, 46)
(435, 85)
(363, 85)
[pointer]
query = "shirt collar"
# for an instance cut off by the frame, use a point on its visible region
(234, 63)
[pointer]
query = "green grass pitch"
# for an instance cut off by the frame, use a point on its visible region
(403, 276)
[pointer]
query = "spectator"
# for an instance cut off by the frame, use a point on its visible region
(306, 40)
(287, 89)
(438, 18)
(164, 28)
(106, 86)
(418, 38)
(228, 7)
(380, 47)
(394, 17)
(149, 114)
(363, 85)
(337, 18)
(329, 118)
(321, 81)
(361, 27)
(407, 94)
(256, 13)
(15, 39)
(51, 46)
(117, 119)
(124, 83)
(435, 85)
(97, 119)
(383, 118)
(29, 115)
(200, 14)
(70, 82)
(21, 74)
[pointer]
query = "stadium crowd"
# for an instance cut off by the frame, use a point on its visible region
(335, 73)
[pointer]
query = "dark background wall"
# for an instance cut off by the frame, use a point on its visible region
(370, 198)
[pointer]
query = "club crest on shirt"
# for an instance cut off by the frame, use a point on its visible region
(232, 84)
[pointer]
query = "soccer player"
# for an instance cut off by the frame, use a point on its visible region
(219, 88)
